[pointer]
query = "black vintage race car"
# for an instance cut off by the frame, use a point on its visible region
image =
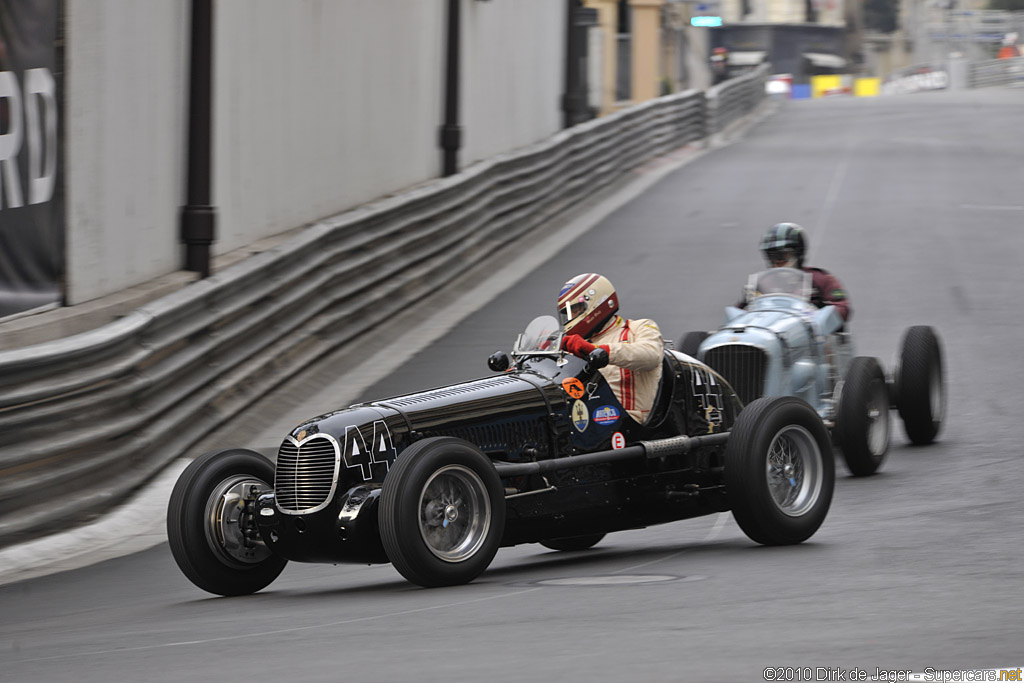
(435, 482)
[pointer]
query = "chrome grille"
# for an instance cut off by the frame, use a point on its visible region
(307, 473)
(741, 366)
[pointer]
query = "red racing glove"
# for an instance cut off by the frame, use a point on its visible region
(578, 346)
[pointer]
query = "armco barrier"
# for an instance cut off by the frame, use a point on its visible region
(995, 72)
(87, 419)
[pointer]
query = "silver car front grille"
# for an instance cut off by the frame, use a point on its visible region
(307, 473)
(742, 366)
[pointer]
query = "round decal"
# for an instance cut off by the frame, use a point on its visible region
(618, 441)
(606, 415)
(580, 415)
(573, 387)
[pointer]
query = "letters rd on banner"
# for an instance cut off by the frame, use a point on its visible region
(31, 200)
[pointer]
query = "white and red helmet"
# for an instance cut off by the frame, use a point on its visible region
(585, 303)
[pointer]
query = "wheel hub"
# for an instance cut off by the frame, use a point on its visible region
(451, 513)
(230, 528)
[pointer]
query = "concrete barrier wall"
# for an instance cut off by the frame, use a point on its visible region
(124, 132)
(513, 75)
(319, 106)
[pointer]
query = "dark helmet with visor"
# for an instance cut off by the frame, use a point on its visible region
(784, 244)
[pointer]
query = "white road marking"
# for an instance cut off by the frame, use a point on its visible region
(993, 207)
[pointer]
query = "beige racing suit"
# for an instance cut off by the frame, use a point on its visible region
(635, 349)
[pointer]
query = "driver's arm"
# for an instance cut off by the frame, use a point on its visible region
(644, 352)
(831, 293)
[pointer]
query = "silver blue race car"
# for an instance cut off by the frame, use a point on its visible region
(781, 344)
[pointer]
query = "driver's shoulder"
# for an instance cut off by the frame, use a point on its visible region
(638, 324)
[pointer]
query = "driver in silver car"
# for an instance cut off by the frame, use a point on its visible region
(587, 307)
(784, 246)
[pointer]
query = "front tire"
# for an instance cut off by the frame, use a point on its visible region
(779, 471)
(210, 524)
(442, 512)
(921, 391)
(573, 543)
(862, 426)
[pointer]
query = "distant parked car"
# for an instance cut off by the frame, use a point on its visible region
(783, 345)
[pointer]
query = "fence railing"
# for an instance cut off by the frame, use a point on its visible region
(87, 419)
(995, 72)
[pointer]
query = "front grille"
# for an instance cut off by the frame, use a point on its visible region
(741, 366)
(306, 474)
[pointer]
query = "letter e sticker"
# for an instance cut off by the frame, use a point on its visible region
(618, 441)
(580, 416)
(573, 387)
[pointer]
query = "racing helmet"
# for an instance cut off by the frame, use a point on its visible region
(784, 244)
(585, 303)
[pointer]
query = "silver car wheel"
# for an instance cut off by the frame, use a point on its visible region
(230, 529)
(455, 513)
(878, 419)
(794, 470)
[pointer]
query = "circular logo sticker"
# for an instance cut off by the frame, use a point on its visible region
(573, 387)
(606, 415)
(580, 415)
(618, 441)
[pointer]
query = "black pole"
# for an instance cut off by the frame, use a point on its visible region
(570, 104)
(575, 108)
(198, 216)
(451, 133)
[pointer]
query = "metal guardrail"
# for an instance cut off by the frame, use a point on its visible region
(729, 101)
(994, 72)
(87, 419)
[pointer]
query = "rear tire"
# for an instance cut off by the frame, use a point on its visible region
(921, 390)
(573, 542)
(862, 426)
(779, 471)
(690, 343)
(442, 512)
(210, 526)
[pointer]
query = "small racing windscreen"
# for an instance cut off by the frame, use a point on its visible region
(543, 336)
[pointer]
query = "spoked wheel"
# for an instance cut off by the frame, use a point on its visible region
(920, 387)
(573, 542)
(690, 343)
(779, 471)
(442, 512)
(862, 426)
(211, 525)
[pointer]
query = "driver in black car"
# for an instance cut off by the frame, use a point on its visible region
(587, 308)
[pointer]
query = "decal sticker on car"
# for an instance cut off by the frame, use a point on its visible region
(573, 387)
(709, 397)
(357, 454)
(580, 415)
(592, 388)
(618, 441)
(606, 415)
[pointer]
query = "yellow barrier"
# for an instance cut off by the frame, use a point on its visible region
(866, 87)
(823, 84)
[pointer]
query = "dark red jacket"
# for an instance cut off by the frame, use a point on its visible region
(826, 290)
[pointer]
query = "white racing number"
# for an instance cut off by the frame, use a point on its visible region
(358, 455)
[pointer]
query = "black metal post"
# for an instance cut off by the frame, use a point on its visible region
(574, 101)
(451, 133)
(198, 216)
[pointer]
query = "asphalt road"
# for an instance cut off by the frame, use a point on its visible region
(917, 203)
